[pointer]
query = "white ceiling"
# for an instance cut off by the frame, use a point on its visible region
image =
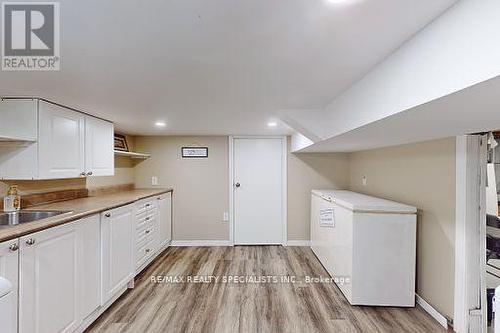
(441, 118)
(216, 67)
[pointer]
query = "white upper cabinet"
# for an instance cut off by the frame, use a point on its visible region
(61, 142)
(99, 146)
(52, 142)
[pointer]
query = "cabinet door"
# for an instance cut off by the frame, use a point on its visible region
(117, 250)
(60, 142)
(99, 142)
(165, 219)
(89, 232)
(9, 269)
(49, 281)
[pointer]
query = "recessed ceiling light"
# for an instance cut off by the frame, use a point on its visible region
(272, 124)
(160, 124)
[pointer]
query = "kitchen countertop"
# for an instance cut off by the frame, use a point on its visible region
(79, 208)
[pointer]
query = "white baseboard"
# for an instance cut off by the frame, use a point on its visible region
(201, 243)
(228, 243)
(298, 243)
(432, 312)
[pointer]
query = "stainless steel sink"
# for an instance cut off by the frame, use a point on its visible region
(25, 216)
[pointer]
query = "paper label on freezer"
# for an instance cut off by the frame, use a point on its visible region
(326, 218)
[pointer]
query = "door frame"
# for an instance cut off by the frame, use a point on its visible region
(470, 234)
(284, 178)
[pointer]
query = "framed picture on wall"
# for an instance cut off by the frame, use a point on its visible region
(121, 142)
(194, 152)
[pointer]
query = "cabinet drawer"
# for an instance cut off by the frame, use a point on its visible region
(144, 252)
(146, 231)
(144, 220)
(144, 206)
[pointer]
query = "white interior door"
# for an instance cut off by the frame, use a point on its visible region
(258, 190)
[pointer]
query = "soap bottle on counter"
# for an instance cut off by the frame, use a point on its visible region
(12, 202)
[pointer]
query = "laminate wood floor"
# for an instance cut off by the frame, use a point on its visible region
(170, 307)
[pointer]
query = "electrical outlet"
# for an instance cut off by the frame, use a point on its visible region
(154, 181)
(365, 180)
(225, 217)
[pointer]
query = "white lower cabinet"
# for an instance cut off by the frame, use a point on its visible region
(146, 232)
(59, 277)
(49, 281)
(153, 228)
(9, 269)
(90, 240)
(165, 219)
(117, 250)
(64, 277)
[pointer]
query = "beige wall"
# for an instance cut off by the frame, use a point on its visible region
(422, 175)
(124, 174)
(307, 172)
(40, 186)
(200, 185)
(203, 183)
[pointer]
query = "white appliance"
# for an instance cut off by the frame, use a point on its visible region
(7, 307)
(367, 245)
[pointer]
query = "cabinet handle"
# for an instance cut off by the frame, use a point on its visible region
(107, 215)
(148, 250)
(159, 198)
(89, 173)
(82, 174)
(147, 231)
(14, 247)
(30, 241)
(147, 218)
(147, 205)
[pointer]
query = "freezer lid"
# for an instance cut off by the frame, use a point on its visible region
(5, 287)
(364, 203)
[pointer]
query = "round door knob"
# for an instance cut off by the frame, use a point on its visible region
(30, 241)
(14, 247)
(237, 185)
(107, 215)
